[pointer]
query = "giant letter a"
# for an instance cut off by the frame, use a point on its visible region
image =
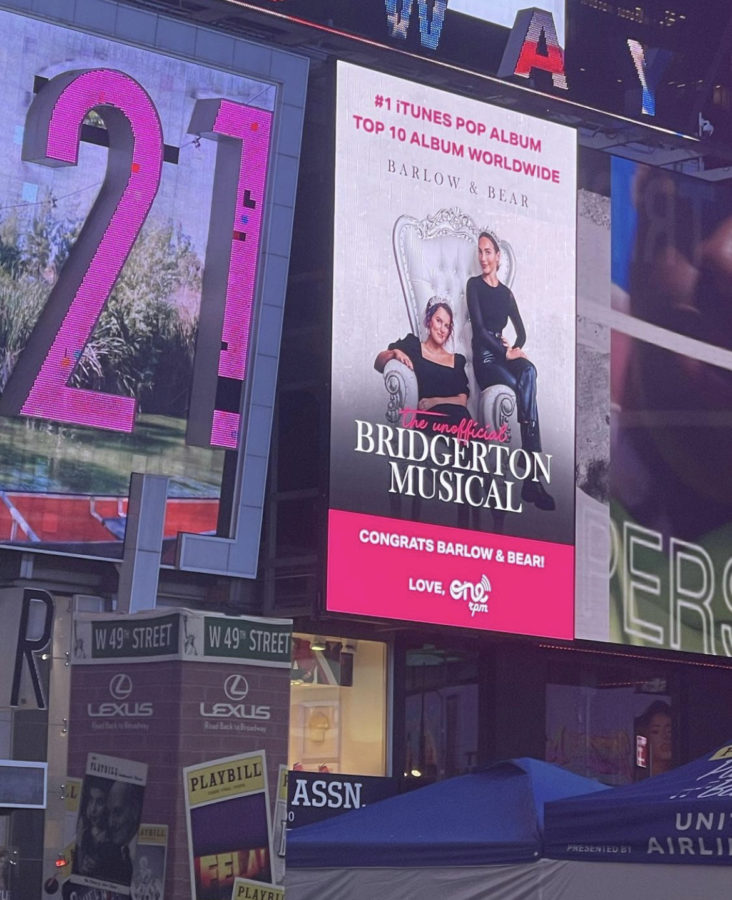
(522, 50)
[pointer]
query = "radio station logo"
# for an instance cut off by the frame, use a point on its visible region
(120, 689)
(236, 690)
(475, 594)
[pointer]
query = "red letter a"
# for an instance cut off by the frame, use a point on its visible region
(521, 54)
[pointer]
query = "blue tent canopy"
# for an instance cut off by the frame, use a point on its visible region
(492, 816)
(683, 816)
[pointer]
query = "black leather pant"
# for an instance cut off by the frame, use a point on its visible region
(520, 375)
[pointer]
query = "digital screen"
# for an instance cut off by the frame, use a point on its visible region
(22, 784)
(671, 393)
(654, 465)
(504, 12)
(453, 357)
(131, 210)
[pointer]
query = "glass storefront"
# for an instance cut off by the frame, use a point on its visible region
(422, 707)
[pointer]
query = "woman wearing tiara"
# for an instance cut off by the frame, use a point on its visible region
(442, 382)
(490, 305)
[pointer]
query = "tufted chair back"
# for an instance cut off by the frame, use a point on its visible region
(435, 256)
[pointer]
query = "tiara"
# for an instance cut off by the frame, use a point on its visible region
(436, 300)
(491, 233)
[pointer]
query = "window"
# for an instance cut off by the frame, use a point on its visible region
(338, 705)
(616, 726)
(441, 713)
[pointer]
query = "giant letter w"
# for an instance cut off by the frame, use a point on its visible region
(399, 12)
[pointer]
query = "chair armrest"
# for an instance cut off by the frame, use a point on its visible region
(497, 406)
(401, 385)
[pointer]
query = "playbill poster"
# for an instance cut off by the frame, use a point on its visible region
(228, 824)
(453, 360)
(107, 827)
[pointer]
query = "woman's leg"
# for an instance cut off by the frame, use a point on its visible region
(528, 413)
(520, 375)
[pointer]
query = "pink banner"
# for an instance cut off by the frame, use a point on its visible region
(418, 572)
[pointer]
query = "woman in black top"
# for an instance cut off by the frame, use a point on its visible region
(442, 382)
(490, 305)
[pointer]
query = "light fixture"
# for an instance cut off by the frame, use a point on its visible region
(318, 644)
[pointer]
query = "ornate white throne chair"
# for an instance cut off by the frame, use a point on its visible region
(435, 256)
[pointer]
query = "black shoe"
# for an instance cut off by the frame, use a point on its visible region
(535, 492)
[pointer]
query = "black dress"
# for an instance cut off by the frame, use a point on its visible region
(435, 380)
(490, 309)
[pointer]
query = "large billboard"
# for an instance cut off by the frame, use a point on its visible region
(452, 406)
(655, 503)
(135, 207)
